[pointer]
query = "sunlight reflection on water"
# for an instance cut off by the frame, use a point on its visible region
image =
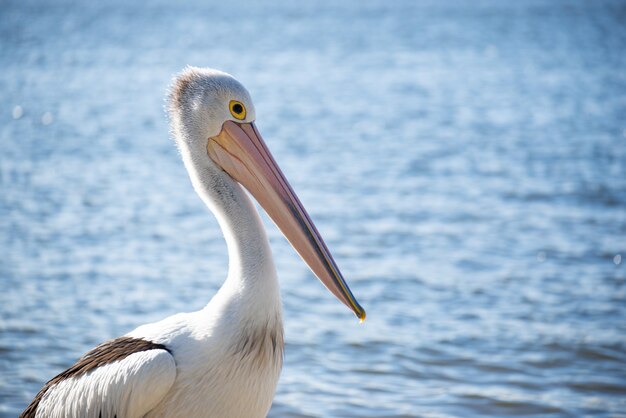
(465, 163)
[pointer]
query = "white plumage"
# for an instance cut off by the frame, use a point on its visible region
(224, 360)
(112, 389)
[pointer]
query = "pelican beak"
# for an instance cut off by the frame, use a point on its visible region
(242, 153)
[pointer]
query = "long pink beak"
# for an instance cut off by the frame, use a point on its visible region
(242, 153)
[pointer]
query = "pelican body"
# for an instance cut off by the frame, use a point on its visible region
(225, 359)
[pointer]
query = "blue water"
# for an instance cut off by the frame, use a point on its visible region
(465, 162)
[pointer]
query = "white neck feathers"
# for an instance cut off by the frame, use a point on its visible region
(251, 266)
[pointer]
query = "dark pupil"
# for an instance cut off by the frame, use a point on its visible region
(237, 108)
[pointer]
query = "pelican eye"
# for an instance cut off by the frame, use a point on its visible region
(237, 109)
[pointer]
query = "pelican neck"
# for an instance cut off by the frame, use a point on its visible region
(250, 256)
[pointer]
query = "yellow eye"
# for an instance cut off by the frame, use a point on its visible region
(237, 109)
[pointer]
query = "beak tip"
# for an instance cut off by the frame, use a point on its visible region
(361, 315)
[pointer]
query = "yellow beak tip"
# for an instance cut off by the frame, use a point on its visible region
(362, 317)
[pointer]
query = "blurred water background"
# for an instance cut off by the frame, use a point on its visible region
(465, 162)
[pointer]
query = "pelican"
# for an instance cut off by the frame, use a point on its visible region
(225, 359)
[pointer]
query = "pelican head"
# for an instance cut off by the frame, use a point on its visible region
(212, 118)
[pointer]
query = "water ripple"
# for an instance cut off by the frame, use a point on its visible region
(465, 163)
